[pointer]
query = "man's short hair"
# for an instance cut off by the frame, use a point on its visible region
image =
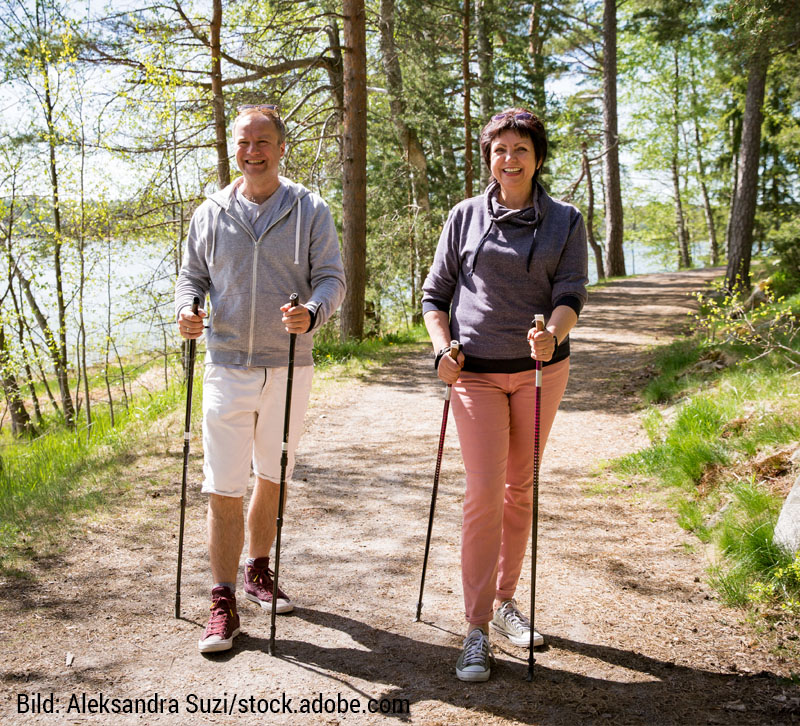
(268, 113)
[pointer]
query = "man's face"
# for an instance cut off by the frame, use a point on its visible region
(258, 149)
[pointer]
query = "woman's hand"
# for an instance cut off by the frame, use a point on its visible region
(450, 369)
(543, 344)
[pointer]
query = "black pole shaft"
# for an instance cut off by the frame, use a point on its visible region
(455, 346)
(538, 323)
(282, 488)
(433, 499)
(186, 434)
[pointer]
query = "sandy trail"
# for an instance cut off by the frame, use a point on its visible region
(633, 633)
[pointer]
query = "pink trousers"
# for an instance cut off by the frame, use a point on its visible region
(494, 414)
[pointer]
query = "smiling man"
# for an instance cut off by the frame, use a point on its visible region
(250, 246)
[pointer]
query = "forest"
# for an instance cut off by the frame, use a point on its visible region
(673, 126)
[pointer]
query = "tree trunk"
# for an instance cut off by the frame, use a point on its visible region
(409, 139)
(535, 45)
(468, 167)
(483, 31)
(21, 424)
(701, 176)
(59, 349)
(598, 251)
(737, 274)
(615, 258)
(684, 256)
(354, 163)
(218, 99)
(734, 183)
(709, 214)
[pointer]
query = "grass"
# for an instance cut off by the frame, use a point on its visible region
(732, 405)
(52, 477)
(47, 482)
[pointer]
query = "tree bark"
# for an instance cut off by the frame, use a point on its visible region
(615, 258)
(737, 274)
(21, 424)
(483, 33)
(218, 98)
(596, 248)
(684, 255)
(468, 166)
(60, 348)
(535, 45)
(354, 162)
(409, 139)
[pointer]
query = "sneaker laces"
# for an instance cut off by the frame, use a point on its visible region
(512, 614)
(221, 610)
(476, 648)
(264, 578)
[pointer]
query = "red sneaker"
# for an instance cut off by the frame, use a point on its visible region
(258, 587)
(223, 624)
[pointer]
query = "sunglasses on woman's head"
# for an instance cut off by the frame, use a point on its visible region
(522, 115)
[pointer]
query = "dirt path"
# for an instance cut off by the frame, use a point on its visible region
(634, 636)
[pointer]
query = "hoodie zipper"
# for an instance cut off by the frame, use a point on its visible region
(254, 280)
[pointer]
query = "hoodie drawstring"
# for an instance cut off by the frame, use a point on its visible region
(214, 219)
(297, 233)
(533, 246)
(480, 245)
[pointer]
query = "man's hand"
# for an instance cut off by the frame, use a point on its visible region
(189, 324)
(296, 319)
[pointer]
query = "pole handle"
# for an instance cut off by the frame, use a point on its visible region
(455, 346)
(538, 322)
(293, 298)
(195, 304)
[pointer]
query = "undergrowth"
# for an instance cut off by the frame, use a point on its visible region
(48, 481)
(724, 419)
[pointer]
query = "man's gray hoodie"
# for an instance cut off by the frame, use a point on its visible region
(248, 279)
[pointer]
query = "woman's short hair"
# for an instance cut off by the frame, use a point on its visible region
(525, 123)
(268, 111)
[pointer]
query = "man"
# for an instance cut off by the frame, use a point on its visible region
(250, 246)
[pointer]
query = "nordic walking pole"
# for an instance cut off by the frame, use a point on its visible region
(538, 323)
(455, 346)
(282, 489)
(187, 428)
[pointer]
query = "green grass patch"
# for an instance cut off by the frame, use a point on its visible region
(329, 350)
(51, 478)
(734, 401)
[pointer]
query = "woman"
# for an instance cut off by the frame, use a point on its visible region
(503, 257)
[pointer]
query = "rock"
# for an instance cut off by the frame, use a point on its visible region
(787, 530)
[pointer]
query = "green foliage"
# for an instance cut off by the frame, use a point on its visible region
(50, 478)
(753, 568)
(728, 416)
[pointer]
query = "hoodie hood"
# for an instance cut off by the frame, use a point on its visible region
(223, 201)
(498, 214)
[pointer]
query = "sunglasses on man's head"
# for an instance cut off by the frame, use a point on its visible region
(522, 115)
(258, 107)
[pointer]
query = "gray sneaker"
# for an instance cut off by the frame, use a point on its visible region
(474, 663)
(514, 625)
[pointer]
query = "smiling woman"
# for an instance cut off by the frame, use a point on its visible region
(503, 257)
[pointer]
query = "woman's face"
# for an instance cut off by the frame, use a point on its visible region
(513, 162)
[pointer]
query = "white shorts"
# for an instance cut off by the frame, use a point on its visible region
(243, 417)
